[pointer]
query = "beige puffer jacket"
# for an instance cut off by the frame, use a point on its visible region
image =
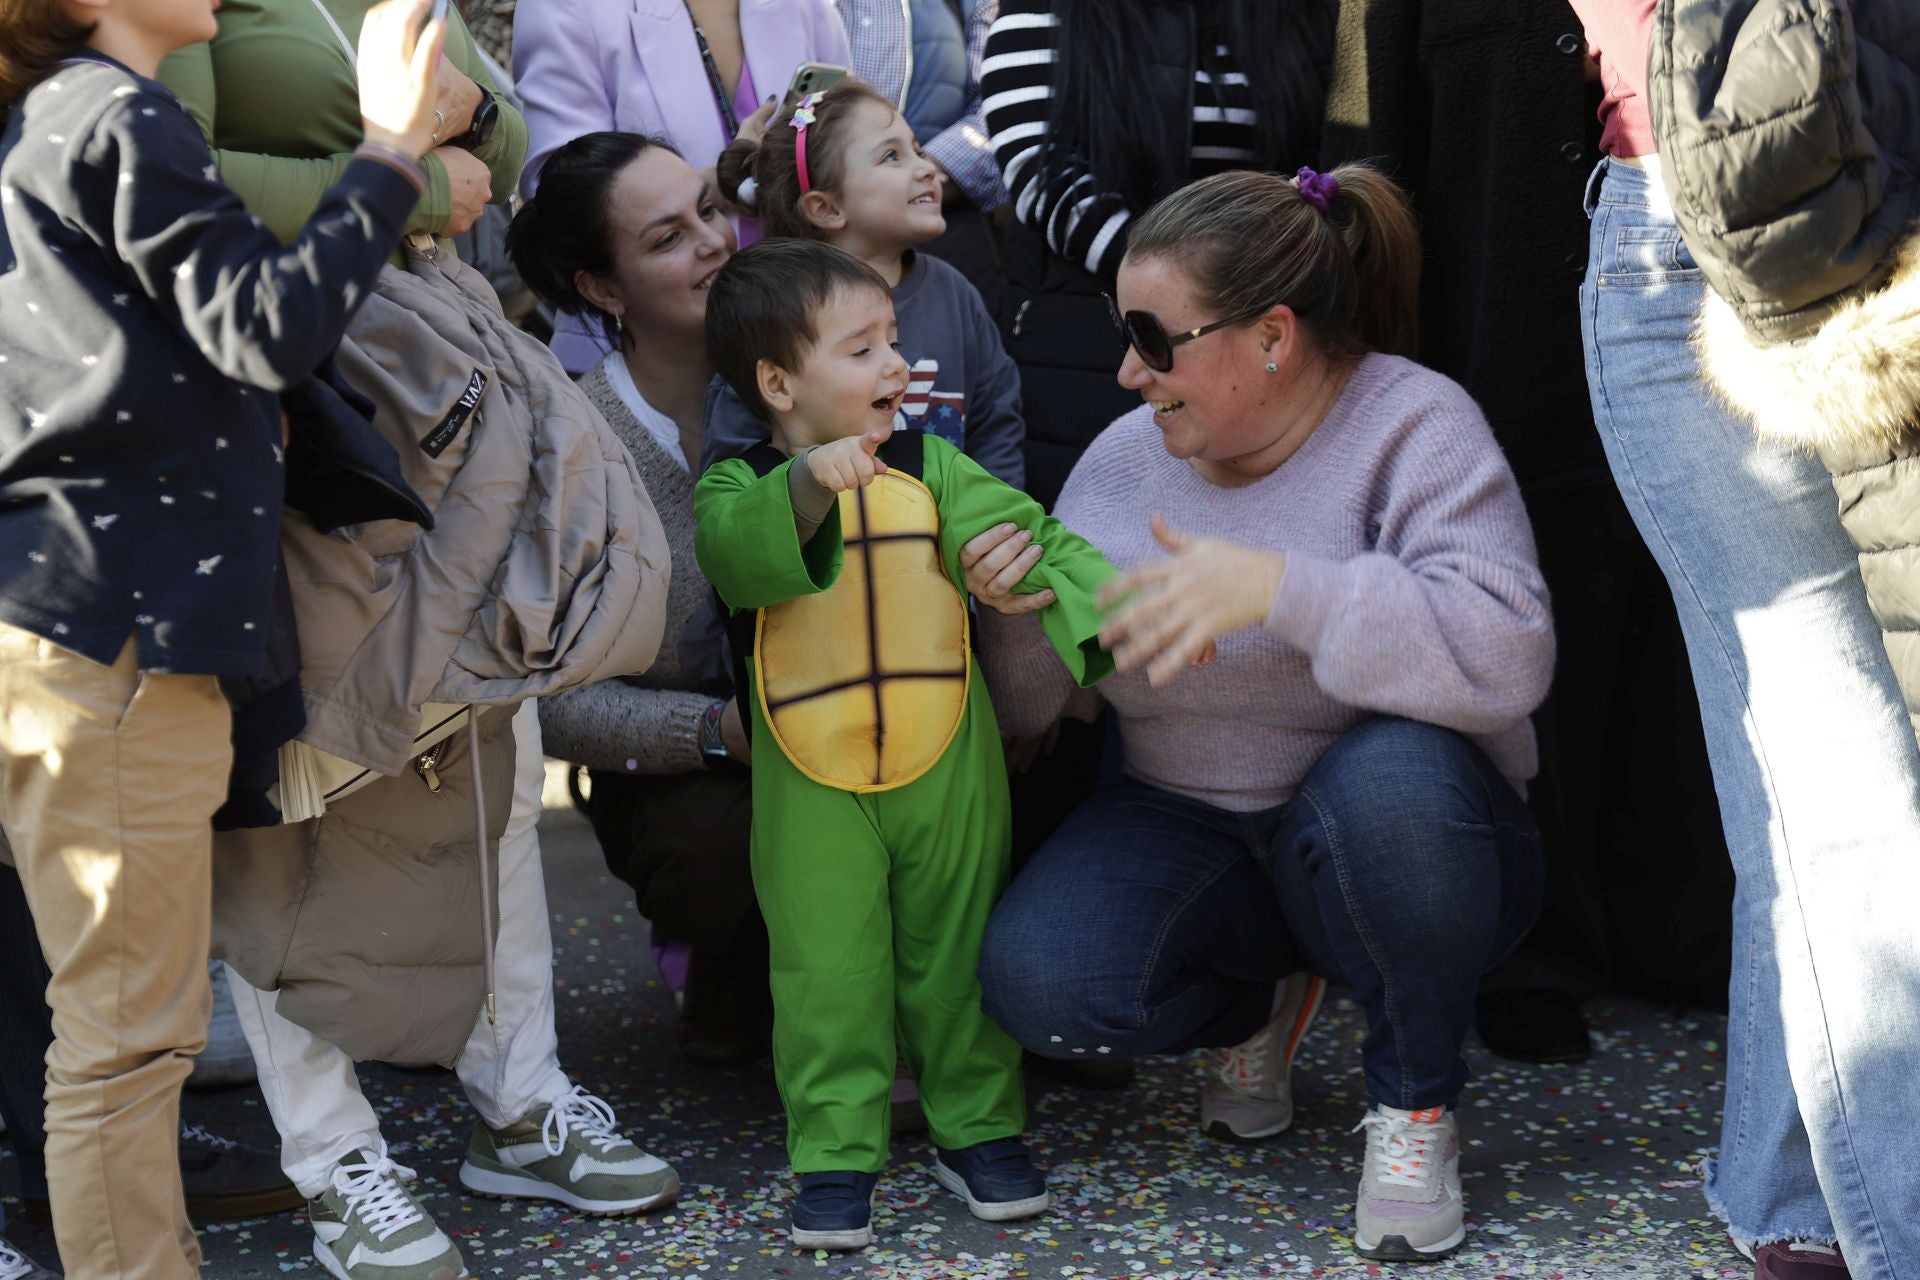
(546, 568)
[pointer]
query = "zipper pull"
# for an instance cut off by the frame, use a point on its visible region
(425, 767)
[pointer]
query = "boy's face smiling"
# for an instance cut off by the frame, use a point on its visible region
(850, 383)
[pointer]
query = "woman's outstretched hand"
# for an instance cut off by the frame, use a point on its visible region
(995, 562)
(1166, 616)
(398, 66)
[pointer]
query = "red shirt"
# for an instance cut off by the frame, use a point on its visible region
(1619, 33)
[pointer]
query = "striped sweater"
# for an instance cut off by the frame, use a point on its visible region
(1080, 218)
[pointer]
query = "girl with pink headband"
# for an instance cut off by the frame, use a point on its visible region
(843, 167)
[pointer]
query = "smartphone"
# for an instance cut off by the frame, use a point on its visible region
(811, 77)
(438, 13)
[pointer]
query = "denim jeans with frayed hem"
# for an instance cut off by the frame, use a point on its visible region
(1405, 865)
(1813, 759)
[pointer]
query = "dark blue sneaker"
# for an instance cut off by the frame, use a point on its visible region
(997, 1178)
(834, 1210)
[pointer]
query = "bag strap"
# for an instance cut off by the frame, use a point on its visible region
(721, 97)
(346, 45)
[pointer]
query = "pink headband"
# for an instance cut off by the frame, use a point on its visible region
(802, 117)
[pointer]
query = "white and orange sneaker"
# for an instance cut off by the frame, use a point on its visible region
(1249, 1094)
(1409, 1208)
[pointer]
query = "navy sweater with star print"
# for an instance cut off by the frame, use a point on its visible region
(147, 323)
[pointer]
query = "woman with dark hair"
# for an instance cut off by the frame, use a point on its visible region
(625, 236)
(1098, 108)
(695, 74)
(1339, 789)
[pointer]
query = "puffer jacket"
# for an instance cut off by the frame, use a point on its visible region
(546, 568)
(1789, 143)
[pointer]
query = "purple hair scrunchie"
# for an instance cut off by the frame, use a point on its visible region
(1319, 189)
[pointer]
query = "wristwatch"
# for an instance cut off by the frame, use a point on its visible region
(713, 743)
(485, 117)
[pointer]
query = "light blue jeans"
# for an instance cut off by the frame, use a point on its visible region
(1813, 758)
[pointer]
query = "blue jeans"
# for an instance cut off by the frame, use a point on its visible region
(1813, 759)
(1405, 865)
(26, 1029)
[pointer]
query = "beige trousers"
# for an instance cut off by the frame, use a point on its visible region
(108, 779)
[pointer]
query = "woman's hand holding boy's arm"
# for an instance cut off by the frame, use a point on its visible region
(848, 463)
(995, 562)
(398, 65)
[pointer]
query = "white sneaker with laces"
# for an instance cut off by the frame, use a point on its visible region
(1409, 1208)
(15, 1265)
(368, 1226)
(1249, 1092)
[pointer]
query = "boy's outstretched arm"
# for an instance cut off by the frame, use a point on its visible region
(971, 501)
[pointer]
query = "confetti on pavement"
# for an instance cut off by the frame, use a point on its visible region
(1571, 1173)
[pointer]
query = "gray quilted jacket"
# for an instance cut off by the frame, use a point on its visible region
(1789, 135)
(546, 569)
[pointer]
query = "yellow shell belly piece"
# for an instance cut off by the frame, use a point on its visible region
(864, 684)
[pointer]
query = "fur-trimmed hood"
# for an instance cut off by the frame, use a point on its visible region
(1853, 385)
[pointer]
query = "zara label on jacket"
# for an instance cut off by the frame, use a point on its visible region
(435, 442)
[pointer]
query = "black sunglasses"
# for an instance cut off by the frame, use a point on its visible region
(1146, 335)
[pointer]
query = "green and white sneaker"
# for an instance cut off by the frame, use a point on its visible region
(569, 1152)
(368, 1226)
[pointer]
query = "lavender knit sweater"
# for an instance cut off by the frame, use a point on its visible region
(1411, 589)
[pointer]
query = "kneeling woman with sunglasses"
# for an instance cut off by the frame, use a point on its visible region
(1337, 794)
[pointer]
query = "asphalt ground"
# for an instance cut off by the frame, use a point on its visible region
(1571, 1173)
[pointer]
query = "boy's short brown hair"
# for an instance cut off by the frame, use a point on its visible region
(764, 305)
(34, 36)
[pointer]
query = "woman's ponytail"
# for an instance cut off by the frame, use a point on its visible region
(1383, 241)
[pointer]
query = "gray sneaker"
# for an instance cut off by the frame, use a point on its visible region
(15, 1265)
(1249, 1092)
(1409, 1208)
(368, 1226)
(569, 1152)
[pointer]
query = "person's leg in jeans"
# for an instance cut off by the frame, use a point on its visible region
(1813, 758)
(1407, 865)
(109, 778)
(26, 1029)
(1143, 925)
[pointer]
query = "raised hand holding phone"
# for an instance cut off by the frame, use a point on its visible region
(398, 71)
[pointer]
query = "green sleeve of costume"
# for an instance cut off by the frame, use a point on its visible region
(972, 501)
(746, 542)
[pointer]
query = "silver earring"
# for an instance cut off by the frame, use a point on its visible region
(1272, 367)
(619, 330)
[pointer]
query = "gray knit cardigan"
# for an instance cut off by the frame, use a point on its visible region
(648, 723)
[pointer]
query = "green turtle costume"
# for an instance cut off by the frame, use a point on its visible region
(880, 819)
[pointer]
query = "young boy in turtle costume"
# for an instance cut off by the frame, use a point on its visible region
(880, 820)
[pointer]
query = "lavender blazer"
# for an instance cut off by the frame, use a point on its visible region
(633, 65)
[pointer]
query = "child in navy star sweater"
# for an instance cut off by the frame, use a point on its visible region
(147, 322)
